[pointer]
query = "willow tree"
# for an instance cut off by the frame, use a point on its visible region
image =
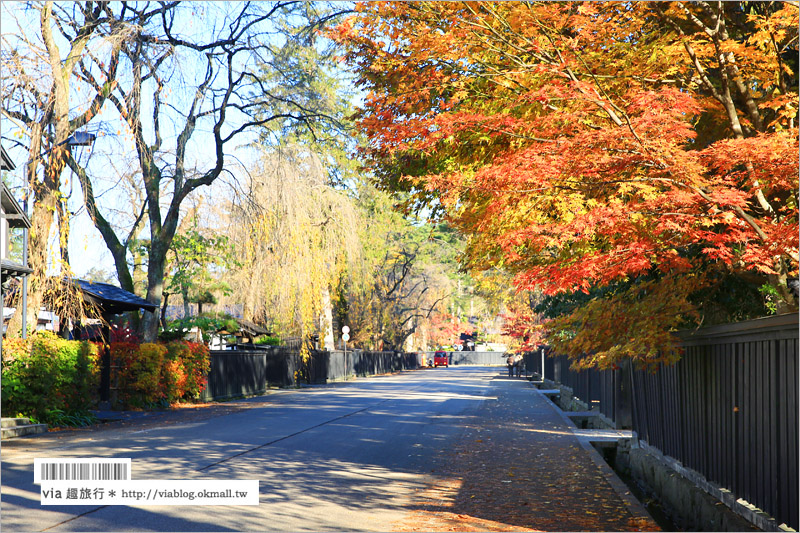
(404, 277)
(293, 237)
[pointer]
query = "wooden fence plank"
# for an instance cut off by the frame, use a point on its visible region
(784, 426)
(791, 514)
(774, 444)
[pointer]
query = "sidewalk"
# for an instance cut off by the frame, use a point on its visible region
(520, 467)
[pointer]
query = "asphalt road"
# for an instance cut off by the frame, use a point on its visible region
(348, 456)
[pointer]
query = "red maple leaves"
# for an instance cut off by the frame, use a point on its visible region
(580, 145)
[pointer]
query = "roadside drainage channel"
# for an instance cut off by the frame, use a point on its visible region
(583, 424)
(676, 503)
(609, 452)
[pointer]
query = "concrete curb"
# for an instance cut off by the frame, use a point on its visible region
(585, 437)
(22, 430)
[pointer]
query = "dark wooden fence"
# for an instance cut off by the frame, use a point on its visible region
(728, 409)
(606, 391)
(533, 362)
(238, 373)
(335, 365)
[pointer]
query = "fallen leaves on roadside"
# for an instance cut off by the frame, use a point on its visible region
(561, 489)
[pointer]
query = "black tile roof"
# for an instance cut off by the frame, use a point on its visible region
(251, 328)
(13, 269)
(112, 299)
(14, 213)
(5, 162)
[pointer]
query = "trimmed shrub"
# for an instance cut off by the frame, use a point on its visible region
(197, 362)
(269, 341)
(147, 372)
(173, 374)
(138, 373)
(160, 374)
(56, 381)
(48, 378)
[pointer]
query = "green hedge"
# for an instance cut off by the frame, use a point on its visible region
(270, 341)
(49, 379)
(207, 323)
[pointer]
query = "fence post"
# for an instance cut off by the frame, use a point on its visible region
(623, 399)
(557, 370)
(542, 369)
(105, 369)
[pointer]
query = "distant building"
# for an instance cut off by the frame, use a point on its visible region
(175, 312)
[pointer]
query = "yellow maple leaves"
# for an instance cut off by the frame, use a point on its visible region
(604, 141)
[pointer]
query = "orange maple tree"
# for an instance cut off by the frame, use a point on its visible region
(445, 329)
(649, 145)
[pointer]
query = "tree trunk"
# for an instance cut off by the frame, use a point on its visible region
(155, 289)
(326, 321)
(63, 230)
(787, 303)
(138, 278)
(164, 311)
(41, 223)
(56, 115)
(185, 295)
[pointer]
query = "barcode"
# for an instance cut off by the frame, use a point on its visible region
(84, 472)
(81, 469)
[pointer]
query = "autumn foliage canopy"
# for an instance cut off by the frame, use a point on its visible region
(646, 147)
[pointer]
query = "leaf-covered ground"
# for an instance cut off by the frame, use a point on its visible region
(518, 468)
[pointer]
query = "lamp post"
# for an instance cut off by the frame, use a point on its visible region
(79, 138)
(345, 338)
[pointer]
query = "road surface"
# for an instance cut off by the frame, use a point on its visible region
(347, 456)
(370, 454)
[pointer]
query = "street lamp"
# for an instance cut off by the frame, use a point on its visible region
(79, 138)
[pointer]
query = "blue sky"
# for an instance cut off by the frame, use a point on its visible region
(113, 154)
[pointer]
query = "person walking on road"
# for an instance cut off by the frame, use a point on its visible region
(510, 364)
(519, 362)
